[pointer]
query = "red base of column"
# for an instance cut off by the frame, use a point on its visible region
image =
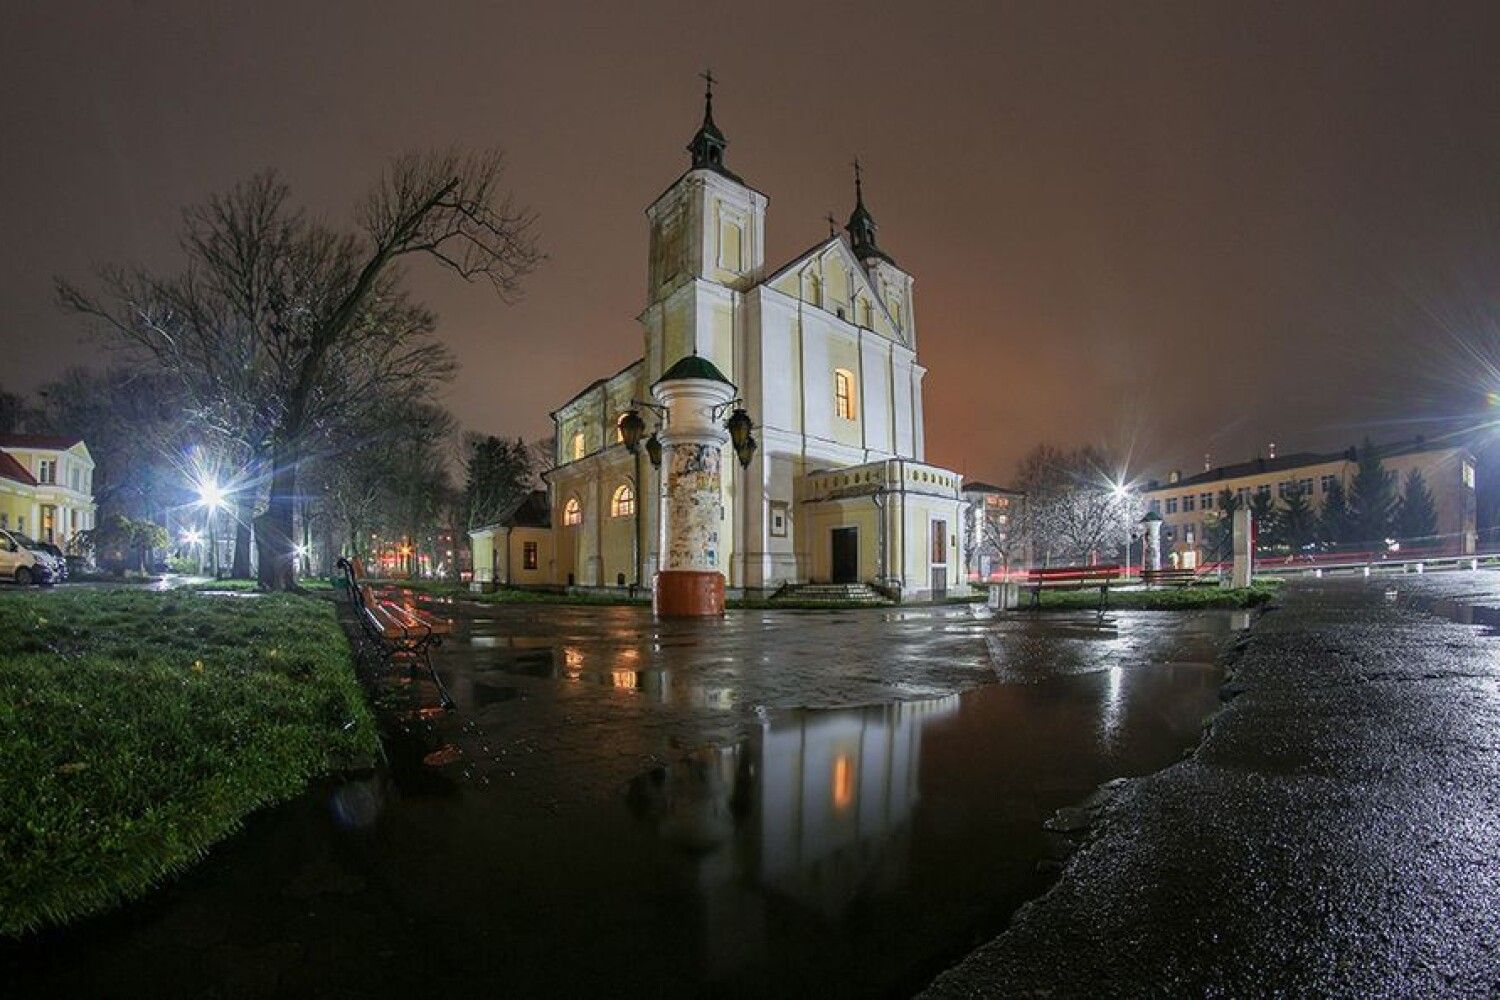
(686, 593)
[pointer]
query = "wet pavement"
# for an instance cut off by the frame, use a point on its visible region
(1336, 835)
(776, 804)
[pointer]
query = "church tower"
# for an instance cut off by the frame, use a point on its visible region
(893, 285)
(707, 248)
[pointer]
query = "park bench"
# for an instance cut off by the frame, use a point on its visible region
(1072, 578)
(1168, 577)
(397, 630)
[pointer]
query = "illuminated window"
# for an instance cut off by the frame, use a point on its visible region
(528, 555)
(623, 502)
(572, 512)
(575, 449)
(1469, 474)
(843, 393)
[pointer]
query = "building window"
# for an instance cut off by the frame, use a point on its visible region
(1325, 483)
(572, 512)
(46, 471)
(843, 394)
(575, 448)
(1172, 505)
(1156, 506)
(528, 555)
(73, 479)
(1305, 486)
(623, 502)
(1206, 501)
(1264, 489)
(1469, 474)
(1187, 504)
(1242, 494)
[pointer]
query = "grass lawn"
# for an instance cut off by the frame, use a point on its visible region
(138, 728)
(1168, 599)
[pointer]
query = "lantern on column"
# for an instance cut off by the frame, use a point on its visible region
(631, 429)
(739, 426)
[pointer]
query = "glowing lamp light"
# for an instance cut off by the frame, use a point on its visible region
(210, 494)
(299, 551)
(192, 536)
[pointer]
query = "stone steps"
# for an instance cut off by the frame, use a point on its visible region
(829, 593)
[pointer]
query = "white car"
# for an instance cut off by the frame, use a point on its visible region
(24, 561)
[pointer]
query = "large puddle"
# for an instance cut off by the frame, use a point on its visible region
(836, 852)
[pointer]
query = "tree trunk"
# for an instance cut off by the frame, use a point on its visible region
(273, 529)
(240, 569)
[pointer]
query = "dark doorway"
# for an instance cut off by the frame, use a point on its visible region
(845, 555)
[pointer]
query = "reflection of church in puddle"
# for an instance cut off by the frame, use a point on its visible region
(813, 810)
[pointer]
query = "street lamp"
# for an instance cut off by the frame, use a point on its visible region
(1121, 494)
(211, 496)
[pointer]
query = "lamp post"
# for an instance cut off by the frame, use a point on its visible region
(211, 496)
(631, 429)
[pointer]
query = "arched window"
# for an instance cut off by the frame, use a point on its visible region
(623, 502)
(572, 512)
(576, 447)
(844, 404)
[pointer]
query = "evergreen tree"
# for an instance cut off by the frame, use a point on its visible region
(1416, 515)
(1297, 520)
(1267, 520)
(1218, 530)
(1333, 527)
(1372, 499)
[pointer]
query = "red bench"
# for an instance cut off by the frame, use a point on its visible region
(397, 629)
(1072, 578)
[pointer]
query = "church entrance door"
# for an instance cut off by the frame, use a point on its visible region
(845, 555)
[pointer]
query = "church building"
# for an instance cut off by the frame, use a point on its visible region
(822, 351)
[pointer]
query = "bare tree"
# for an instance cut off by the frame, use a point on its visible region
(1072, 509)
(280, 327)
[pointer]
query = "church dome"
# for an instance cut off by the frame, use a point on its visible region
(692, 366)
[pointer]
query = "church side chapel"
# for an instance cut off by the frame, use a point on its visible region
(821, 353)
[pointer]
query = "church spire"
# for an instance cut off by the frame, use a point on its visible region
(707, 147)
(861, 225)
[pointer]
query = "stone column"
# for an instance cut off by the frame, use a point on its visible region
(691, 580)
(1152, 553)
(1244, 548)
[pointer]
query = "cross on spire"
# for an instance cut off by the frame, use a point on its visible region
(861, 225)
(857, 192)
(707, 147)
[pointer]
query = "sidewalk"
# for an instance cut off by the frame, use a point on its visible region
(1337, 833)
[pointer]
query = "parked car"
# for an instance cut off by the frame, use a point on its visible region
(59, 561)
(23, 560)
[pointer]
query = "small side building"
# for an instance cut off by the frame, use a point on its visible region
(516, 550)
(993, 515)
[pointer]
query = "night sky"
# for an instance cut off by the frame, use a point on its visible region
(1166, 228)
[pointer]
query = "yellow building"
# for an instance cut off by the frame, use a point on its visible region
(516, 550)
(1189, 505)
(46, 486)
(823, 352)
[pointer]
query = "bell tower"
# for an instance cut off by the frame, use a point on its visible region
(707, 247)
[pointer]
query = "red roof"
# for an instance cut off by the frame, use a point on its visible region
(55, 442)
(11, 469)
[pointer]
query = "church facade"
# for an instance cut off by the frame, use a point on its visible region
(822, 350)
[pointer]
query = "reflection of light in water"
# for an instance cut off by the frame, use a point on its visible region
(1113, 710)
(843, 782)
(1239, 621)
(572, 662)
